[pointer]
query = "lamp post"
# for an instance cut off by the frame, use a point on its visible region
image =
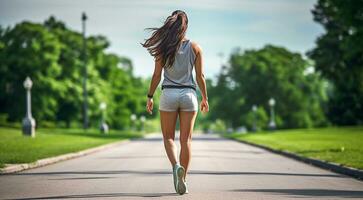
(272, 124)
(142, 119)
(133, 119)
(28, 121)
(84, 55)
(254, 110)
(104, 126)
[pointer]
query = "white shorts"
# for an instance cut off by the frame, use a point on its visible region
(182, 99)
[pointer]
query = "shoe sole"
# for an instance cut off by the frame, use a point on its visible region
(181, 185)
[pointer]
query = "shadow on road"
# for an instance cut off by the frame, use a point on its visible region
(82, 178)
(157, 156)
(192, 172)
(89, 196)
(309, 192)
(232, 151)
(196, 138)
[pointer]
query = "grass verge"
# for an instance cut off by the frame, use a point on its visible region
(16, 148)
(343, 145)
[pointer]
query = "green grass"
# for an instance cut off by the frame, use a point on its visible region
(339, 145)
(16, 148)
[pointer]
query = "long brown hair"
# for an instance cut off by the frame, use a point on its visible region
(166, 40)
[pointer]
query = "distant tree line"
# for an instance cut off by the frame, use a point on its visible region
(328, 89)
(253, 77)
(51, 54)
(322, 89)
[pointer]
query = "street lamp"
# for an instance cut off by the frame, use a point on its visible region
(272, 124)
(104, 126)
(28, 121)
(142, 119)
(84, 55)
(254, 110)
(133, 119)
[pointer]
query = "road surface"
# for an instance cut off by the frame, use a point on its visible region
(220, 169)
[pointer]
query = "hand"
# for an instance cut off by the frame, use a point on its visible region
(204, 106)
(149, 105)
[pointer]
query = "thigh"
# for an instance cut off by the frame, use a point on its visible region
(168, 121)
(187, 120)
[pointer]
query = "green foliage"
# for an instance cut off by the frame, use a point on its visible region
(218, 126)
(152, 125)
(338, 56)
(260, 118)
(255, 76)
(30, 50)
(51, 54)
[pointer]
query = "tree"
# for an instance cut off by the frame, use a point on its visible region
(110, 79)
(338, 56)
(70, 100)
(255, 76)
(50, 54)
(29, 50)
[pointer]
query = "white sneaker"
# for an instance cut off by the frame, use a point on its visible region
(181, 185)
(175, 177)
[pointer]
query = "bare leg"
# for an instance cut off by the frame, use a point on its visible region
(168, 121)
(187, 119)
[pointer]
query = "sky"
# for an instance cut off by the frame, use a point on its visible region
(219, 27)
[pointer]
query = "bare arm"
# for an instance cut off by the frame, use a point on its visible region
(155, 80)
(199, 73)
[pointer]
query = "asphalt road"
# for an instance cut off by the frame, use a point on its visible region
(220, 169)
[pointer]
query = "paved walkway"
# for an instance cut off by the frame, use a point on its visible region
(220, 169)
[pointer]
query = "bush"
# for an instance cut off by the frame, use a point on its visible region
(260, 118)
(152, 125)
(219, 126)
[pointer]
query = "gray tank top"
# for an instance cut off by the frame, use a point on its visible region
(181, 72)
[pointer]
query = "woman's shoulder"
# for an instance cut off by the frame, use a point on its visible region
(195, 46)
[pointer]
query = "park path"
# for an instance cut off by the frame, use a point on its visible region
(220, 169)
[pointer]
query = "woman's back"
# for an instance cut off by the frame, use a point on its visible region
(177, 57)
(181, 72)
